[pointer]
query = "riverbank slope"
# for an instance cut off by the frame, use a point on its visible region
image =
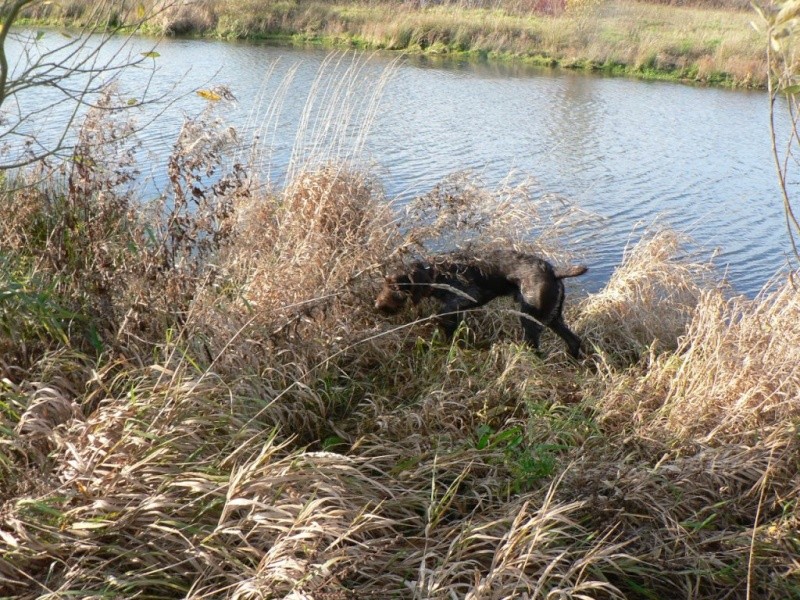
(705, 45)
(198, 399)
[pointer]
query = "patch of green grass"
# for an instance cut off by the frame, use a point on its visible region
(527, 463)
(30, 308)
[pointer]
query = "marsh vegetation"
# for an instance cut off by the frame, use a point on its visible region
(198, 399)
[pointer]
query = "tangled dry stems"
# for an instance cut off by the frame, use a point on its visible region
(246, 427)
(650, 298)
(742, 356)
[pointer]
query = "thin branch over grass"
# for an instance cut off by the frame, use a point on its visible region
(67, 73)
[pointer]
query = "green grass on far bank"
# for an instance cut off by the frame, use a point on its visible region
(708, 45)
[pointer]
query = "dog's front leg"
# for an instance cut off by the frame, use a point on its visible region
(449, 318)
(531, 328)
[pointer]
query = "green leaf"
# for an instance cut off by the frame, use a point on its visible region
(330, 443)
(95, 340)
(484, 435)
(151, 54)
(510, 437)
(39, 35)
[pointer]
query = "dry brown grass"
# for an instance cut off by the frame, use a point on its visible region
(267, 435)
(650, 298)
(740, 375)
(181, 17)
(311, 251)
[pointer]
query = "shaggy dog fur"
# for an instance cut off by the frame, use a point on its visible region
(463, 280)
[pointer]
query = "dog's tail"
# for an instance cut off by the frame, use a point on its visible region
(570, 271)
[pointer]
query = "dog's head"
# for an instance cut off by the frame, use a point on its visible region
(399, 287)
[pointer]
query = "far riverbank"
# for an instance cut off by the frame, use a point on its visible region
(714, 46)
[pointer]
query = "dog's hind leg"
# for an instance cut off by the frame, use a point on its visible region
(566, 334)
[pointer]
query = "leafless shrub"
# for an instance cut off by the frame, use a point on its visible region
(186, 228)
(462, 210)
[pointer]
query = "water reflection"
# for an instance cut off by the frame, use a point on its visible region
(573, 125)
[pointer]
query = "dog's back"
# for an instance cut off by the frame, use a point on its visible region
(464, 280)
(497, 267)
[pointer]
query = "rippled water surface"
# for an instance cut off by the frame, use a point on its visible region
(632, 152)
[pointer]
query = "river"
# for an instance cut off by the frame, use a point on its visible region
(632, 153)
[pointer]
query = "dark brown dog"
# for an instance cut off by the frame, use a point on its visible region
(462, 280)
